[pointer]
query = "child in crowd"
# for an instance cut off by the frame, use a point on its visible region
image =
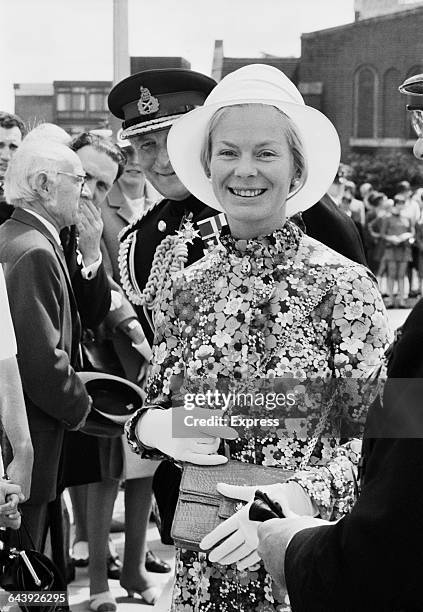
(379, 206)
(397, 231)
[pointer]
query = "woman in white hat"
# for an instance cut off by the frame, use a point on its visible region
(268, 302)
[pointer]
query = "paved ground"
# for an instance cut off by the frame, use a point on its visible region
(79, 589)
(397, 317)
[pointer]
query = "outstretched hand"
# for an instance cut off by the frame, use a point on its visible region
(274, 537)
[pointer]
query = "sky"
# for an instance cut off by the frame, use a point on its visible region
(46, 40)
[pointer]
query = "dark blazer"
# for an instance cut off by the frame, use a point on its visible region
(372, 559)
(92, 295)
(47, 328)
(327, 223)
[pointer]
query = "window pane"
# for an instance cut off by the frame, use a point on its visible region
(97, 101)
(78, 101)
(365, 103)
(393, 105)
(63, 101)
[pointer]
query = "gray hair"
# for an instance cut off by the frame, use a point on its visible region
(290, 130)
(35, 156)
(50, 131)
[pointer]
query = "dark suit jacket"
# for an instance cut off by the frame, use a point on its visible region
(327, 223)
(372, 559)
(92, 296)
(47, 328)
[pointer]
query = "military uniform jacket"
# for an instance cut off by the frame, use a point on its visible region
(140, 240)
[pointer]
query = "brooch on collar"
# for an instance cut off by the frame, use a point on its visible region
(147, 104)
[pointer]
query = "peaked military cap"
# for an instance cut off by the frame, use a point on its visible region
(412, 85)
(153, 99)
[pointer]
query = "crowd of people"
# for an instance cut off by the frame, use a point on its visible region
(392, 231)
(212, 245)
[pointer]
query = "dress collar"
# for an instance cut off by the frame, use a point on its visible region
(281, 245)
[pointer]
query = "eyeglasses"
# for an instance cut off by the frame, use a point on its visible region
(81, 178)
(416, 119)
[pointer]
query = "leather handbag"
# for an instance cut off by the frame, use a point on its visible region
(24, 570)
(201, 508)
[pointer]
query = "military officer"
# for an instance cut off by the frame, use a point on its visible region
(148, 103)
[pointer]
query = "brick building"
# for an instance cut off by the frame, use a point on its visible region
(358, 68)
(352, 73)
(365, 9)
(33, 102)
(224, 65)
(77, 106)
(147, 63)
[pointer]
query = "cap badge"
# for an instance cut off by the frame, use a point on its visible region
(147, 103)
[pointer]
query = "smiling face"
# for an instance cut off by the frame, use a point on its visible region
(154, 160)
(251, 168)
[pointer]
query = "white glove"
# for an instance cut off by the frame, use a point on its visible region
(155, 430)
(240, 545)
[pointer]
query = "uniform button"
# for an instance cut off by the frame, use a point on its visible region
(161, 226)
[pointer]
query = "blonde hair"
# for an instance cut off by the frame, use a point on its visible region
(290, 130)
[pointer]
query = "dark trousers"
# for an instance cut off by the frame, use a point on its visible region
(35, 519)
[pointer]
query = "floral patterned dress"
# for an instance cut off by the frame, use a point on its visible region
(269, 308)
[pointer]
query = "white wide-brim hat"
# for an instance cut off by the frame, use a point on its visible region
(258, 84)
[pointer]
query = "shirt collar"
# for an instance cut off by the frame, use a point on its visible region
(49, 226)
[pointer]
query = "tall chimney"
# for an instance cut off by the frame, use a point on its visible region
(121, 65)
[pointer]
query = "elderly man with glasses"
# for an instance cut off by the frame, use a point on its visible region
(43, 182)
(372, 559)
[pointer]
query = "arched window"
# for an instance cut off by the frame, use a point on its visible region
(409, 132)
(393, 105)
(365, 102)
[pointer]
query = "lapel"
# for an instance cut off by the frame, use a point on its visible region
(27, 219)
(118, 202)
(22, 216)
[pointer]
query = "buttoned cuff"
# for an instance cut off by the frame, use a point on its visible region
(88, 272)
